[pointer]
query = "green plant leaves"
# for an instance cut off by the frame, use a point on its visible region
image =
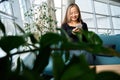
(42, 59)
(78, 69)
(58, 65)
(94, 44)
(10, 42)
(46, 41)
(57, 47)
(51, 38)
(108, 75)
(2, 27)
(91, 37)
(5, 67)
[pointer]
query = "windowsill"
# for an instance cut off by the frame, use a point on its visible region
(113, 68)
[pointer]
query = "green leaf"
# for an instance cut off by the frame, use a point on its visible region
(2, 27)
(25, 75)
(81, 60)
(67, 55)
(10, 42)
(78, 69)
(108, 75)
(50, 38)
(74, 72)
(33, 39)
(44, 52)
(64, 34)
(73, 46)
(46, 41)
(92, 37)
(42, 59)
(108, 52)
(19, 66)
(5, 67)
(58, 65)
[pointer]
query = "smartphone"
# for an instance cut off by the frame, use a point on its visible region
(79, 26)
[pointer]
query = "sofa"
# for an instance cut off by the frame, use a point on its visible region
(108, 40)
(111, 41)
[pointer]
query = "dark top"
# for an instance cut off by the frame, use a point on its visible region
(68, 29)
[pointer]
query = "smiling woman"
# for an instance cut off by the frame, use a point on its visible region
(74, 24)
(72, 20)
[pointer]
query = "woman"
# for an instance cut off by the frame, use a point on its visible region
(73, 23)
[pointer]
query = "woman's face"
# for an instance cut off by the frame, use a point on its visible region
(74, 14)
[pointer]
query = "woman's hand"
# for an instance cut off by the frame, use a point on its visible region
(76, 30)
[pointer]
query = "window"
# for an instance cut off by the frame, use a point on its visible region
(85, 5)
(5, 7)
(103, 21)
(88, 18)
(116, 23)
(7, 17)
(101, 17)
(115, 10)
(101, 8)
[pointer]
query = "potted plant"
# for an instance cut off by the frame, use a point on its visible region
(40, 19)
(55, 46)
